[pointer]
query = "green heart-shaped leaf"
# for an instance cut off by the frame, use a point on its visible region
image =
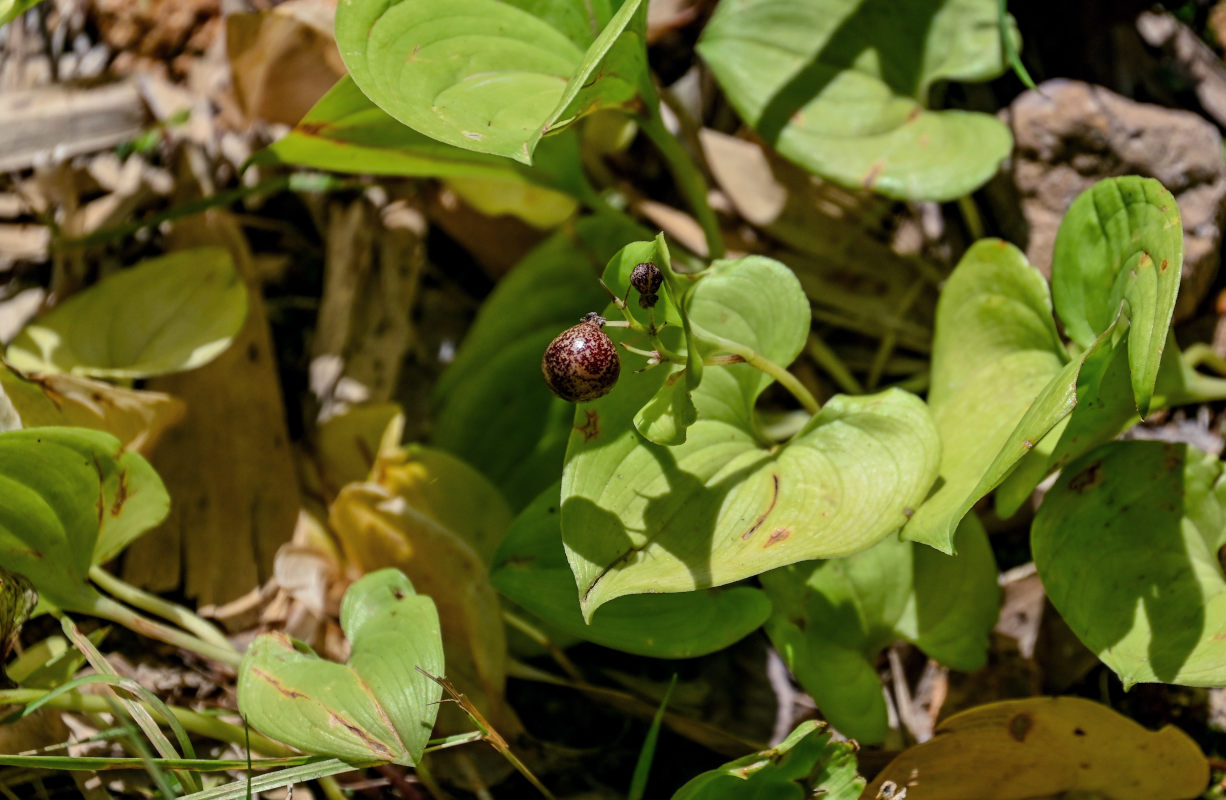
(1121, 242)
(378, 706)
(495, 382)
(71, 498)
(531, 569)
(833, 618)
(808, 763)
(638, 517)
(995, 349)
(1127, 544)
(839, 87)
(493, 76)
(166, 314)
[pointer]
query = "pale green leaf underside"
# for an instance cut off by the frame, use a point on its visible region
(638, 517)
(167, 314)
(1121, 242)
(838, 86)
(486, 75)
(71, 498)
(833, 618)
(531, 569)
(1127, 545)
(378, 706)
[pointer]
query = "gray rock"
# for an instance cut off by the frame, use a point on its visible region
(1069, 134)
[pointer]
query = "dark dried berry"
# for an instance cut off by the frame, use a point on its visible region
(646, 278)
(581, 363)
(647, 300)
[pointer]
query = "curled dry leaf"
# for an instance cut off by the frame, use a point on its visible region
(137, 418)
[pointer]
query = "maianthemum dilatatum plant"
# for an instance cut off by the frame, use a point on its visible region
(661, 508)
(671, 482)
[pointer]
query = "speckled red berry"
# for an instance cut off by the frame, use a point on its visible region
(581, 363)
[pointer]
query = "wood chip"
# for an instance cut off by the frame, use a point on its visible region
(54, 123)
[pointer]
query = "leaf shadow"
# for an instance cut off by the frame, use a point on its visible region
(682, 520)
(871, 27)
(1143, 502)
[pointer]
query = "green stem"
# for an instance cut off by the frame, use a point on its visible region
(106, 608)
(455, 740)
(890, 340)
(689, 179)
(332, 788)
(1197, 388)
(829, 361)
(541, 638)
(786, 379)
(172, 612)
(1007, 44)
(1200, 353)
(522, 769)
(206, 725)
(970, 215)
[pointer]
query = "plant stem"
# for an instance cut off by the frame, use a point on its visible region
(172, 612)
(970, 215)
(206, 725)
(106, 608)
(786, 379)
(454, 740)
(537, 635)
(331, 788)
(689, 179)
(829, 361)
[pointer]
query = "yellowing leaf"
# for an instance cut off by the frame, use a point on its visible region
(449, 491)
(379, 529)
(348, 445)
(1045, 746)
(167, 314)
(535, 205)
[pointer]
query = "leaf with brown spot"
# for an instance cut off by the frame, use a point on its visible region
(376, 707)
(379, 528)
(1047, 746)
(56, 488)
(640, 517)
(1127, 544)
(840, 87)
